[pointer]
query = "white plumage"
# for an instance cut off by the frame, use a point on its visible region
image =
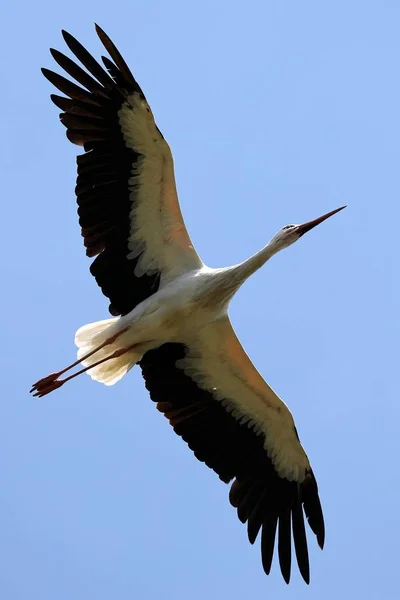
(171, 311)
(158, 235)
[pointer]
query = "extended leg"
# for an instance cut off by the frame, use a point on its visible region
(52, 378)
(51, 385)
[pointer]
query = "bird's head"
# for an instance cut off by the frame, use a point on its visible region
(291, 233)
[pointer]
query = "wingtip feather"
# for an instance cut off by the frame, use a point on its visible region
(98, 29)
(321, 539)
(67, 36)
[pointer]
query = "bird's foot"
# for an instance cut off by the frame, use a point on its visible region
(46, 385)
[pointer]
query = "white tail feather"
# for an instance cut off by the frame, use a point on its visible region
(87, 334)
(91, 336)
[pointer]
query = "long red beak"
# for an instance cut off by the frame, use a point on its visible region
(302, 229)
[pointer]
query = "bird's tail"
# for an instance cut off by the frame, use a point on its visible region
(105, 350)
(96, 342)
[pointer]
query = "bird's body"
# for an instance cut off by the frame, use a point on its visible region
(170, 311)
(193, 310)
(172, 314)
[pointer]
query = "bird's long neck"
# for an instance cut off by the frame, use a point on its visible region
(225, 282)
(239, 273)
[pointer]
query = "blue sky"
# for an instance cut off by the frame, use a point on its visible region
(276, 112)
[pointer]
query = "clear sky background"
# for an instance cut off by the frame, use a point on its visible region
(276, 112)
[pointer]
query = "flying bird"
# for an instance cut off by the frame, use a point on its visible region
(170, 311)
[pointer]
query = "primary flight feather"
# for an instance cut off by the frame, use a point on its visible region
(170, 311)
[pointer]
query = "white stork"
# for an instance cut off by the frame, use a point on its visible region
(171, 311)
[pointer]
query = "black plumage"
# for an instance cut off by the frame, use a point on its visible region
(235, 452)
(104, 200)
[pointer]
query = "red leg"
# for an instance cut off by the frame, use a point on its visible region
(49, 385)
(50, 379)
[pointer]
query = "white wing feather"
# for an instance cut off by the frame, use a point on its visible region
(217, 362)
(157, 227)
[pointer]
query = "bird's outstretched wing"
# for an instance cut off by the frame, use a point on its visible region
(127, 201)
(220, 405)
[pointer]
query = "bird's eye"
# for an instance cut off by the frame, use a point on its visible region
(287, 227)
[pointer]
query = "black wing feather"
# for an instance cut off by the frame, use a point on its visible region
(262, 498)
(268, 541)
(112, 69)
(121, 65)
(70, 89)
(87, 60)
(77, 73)
(300, 541)
(284, 544)
(104, 200)
(78, 107)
